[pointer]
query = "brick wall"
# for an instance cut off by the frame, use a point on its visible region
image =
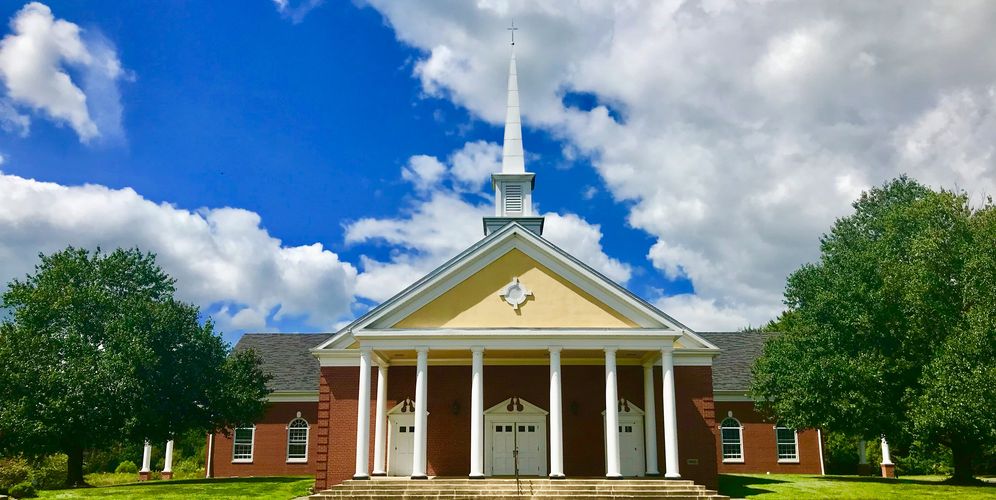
(760, 452)
(270, 445)
(448, 439)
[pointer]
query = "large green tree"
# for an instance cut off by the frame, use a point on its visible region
(96, 349)
(892, 331)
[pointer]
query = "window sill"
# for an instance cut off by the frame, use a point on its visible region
(788, 460)
(733, 460)
(297, 460)
(242, 461)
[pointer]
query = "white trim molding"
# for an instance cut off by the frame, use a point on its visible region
(293, 397)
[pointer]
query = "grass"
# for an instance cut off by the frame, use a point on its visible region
(277, 488)
(789, 486)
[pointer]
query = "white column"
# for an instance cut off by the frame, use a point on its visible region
(147, 458)
(209, 466)
(421, 386)
(670, 415)
(168, 458)
(556, 417)
(862, 452)
(477, 413)
(380, 424)
(612, 461)
(886, 457)
(363, 417)
(650, 420)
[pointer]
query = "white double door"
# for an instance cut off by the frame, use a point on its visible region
(518, 447)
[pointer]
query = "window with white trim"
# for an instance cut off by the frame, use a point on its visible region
(732, 434)
(787, 442)
(242, 444)
(297, 440)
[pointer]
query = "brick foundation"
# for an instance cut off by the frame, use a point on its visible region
(144, 476)
(889, 470)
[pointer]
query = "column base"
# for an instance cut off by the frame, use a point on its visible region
(419, 477)
(614, 477)
(378, 474)
(477, 477)
(361, 477)
(558, 476)
(672, 476)
(889, 470)
(144, 476)
(167, 475)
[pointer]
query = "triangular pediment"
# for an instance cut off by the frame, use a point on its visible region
(548, 300)
(466, 293)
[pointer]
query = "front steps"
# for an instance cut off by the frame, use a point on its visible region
(453, 488)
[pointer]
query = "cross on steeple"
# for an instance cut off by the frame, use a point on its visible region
(513, 29)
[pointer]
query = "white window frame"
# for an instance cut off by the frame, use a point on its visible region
(795, 443)
(740, 440)
(307, 439)
(252, 445)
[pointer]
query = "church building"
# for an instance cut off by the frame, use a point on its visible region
(514, 358)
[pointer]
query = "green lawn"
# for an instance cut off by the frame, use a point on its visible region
(789, 486)
(277, 488)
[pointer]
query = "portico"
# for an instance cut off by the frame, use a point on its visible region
(643, 349)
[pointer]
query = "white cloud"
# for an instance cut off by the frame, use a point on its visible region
(296, 10)
(442, 223)
(219, 256)
(749, 126)
(34, 59)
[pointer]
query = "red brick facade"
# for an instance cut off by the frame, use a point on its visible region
(270, 444)
(332, 437)
(759, 450)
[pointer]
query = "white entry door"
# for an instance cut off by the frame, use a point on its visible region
(401, 445)
(517, 445)
(631, 447)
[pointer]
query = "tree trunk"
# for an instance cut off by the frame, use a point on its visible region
(962, 455)
(74, 476)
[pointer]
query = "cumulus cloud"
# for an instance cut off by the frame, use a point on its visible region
(34, 63)
(749, 126)
(442, 222)
(221, 257)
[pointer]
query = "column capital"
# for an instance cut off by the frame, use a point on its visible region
(477, 349)
(365, 349)
(611, 349)
(555, 349)
(422, 349)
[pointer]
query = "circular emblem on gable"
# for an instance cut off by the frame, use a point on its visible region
(515, 293)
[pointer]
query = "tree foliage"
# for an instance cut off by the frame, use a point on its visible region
(891, 331)
(97, 350)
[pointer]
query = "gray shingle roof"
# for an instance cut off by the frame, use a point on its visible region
(286, 358)
(731, 368)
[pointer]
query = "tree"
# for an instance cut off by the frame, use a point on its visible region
(874, 327)
(96, 349)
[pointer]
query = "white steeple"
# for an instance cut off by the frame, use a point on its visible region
(513, 185)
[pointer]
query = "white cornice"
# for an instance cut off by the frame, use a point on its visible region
(293, 397)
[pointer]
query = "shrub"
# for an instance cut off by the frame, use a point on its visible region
(12, 471)
(50, 472)
(127, 467)
(23, 490)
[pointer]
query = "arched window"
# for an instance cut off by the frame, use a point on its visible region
(732, 434)
(243, 444)
(787, 442)
(297, 440)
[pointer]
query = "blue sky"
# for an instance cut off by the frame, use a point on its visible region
(693, 151)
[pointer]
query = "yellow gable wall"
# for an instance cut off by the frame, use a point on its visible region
(475, 302)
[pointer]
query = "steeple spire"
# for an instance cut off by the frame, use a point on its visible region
(512, 158)
(513, 185)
